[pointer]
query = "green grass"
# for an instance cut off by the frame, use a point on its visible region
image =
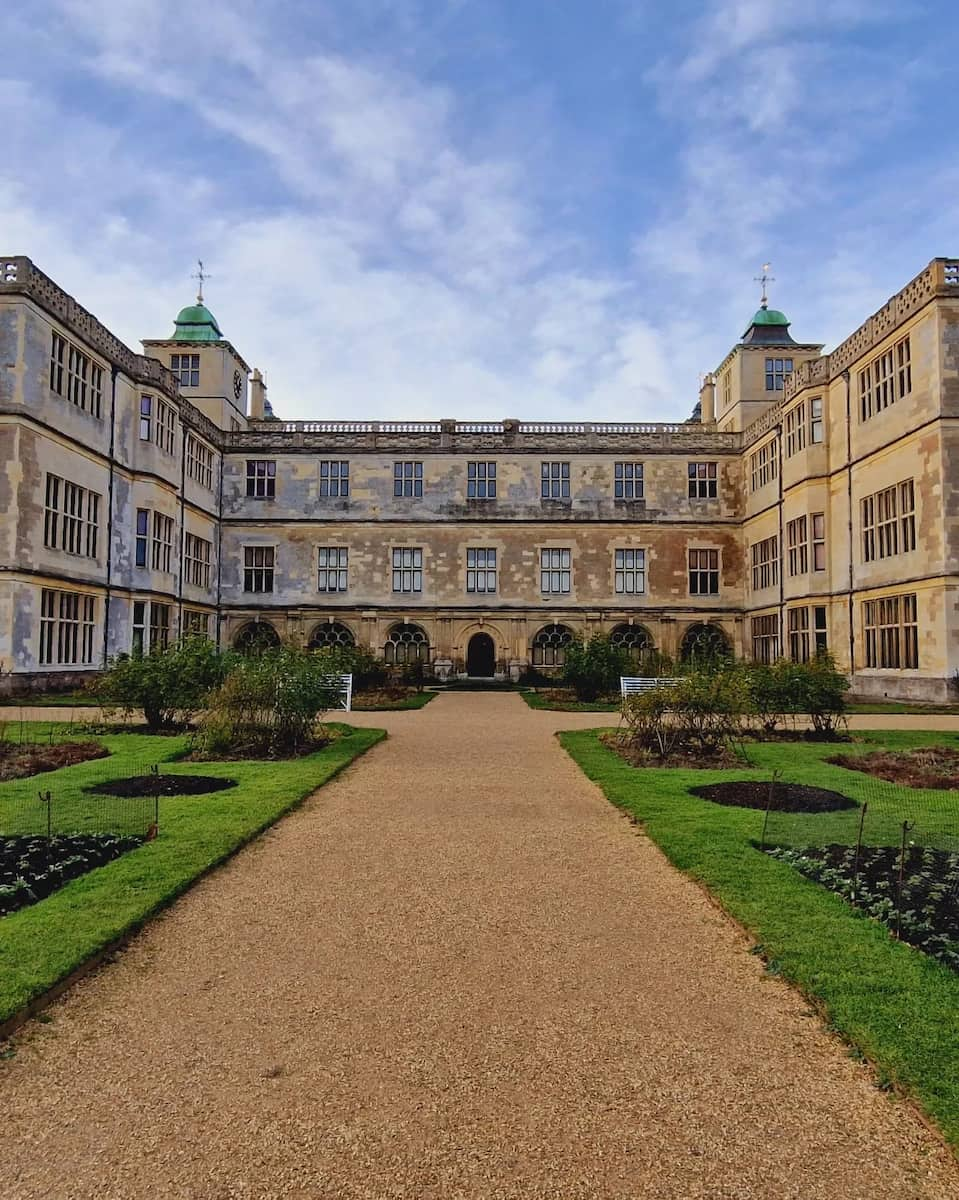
(51, 700)
(417, 700)
(537, 700)
(42, 944)
(895, 1004)
(900, 708)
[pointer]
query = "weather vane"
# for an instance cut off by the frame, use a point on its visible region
(763, 279)
(200, 274)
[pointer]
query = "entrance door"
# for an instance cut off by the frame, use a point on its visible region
(481, 656)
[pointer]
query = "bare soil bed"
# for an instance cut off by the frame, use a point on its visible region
(31, 867)
(162, 785)
(926, 914)
(19, 761)
(786, 797)
(927, 767)
(722, 760)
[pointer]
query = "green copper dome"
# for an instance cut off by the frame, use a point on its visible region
(769, 316)
(196, 323)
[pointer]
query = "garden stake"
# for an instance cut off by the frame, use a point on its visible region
(906, 826)
(777, 775)
(855, 876)
(45, 799)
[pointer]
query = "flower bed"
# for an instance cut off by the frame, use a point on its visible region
(926, 767)
(17, 761)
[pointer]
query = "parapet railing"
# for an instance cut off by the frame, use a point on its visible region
(563, 428)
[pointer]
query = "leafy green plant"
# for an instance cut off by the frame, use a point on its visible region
(593, 667)
(700, 714)
(170, 684)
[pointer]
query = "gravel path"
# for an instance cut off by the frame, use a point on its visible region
(456, 972)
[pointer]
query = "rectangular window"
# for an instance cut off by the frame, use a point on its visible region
(146, 418)
(407, 569)
(196, 621)
(554, 480)
(75, 376)
(776, 371)
(889, 522)
(260, 478)
(816, 428)
(885, 380)
(704, 572)
(143, 530)
(702, 480)
(630, 572)
(819, 541)
(408, 479)
(162, 543)
(199, 462)
(797, 545)
(797, 622)
(334, 479)
(796, 429)
(892, 633)
(71, 518)
(67, 628)
(628, 481)
(258, 566)
(186, 367)
(165, 426)
(765, 563)
(138, 644)
(727, 389)
(197, 553)
(481, 481)
(332, 568)
(820, 629)
(159, 625)
(481, 569)
(554, 572)
(764, 466)
(765, 634)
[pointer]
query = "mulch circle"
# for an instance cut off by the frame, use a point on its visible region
(163, 785)
(786, 797)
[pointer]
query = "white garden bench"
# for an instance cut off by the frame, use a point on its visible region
(630, 685)
(344, 690)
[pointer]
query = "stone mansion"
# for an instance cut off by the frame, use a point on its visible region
(812, 501)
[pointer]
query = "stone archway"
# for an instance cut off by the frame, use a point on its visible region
(481, 656)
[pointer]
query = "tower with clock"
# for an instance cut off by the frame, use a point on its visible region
(210, 370)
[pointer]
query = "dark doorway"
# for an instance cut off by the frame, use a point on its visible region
(481, 656)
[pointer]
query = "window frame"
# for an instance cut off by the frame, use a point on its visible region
(407, 570)
(703, 480)
(555, 570)
(259, 570)
(629, 568)
(261, 478)
(704, 572)
(407, 479)
(482, 570)
(481, 479)
(332, 566)
(629, 482)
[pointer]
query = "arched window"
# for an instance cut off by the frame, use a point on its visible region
(634, 639)
(549, 646)
(257, 636)
(330, 633)
(704, 643)
(406, 644)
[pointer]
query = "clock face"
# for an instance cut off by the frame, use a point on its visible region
(237, 384)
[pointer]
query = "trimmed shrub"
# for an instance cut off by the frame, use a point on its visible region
(170, 685)
(593, 667)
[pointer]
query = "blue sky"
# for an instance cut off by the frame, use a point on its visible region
(480, 208)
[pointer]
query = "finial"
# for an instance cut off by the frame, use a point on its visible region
(200, 275)
(764, 279)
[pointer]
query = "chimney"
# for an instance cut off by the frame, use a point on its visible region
(257, 396)
(707, 400)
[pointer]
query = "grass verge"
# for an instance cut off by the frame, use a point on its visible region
(44, 943)
(536, 700)
(896, 1005)
(417, 700)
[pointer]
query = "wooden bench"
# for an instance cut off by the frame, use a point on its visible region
(634, 685)
(343, 684)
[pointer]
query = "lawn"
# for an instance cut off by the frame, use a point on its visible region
(43, 943)
(374, 702)
(894, 1004)
(855, 707)
(538, 700)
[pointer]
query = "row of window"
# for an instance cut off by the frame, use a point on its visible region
(199, 462)
(800, 551)
(481, 570)
(74, 376)
(71, 517)
(158, 423)
(628, 481)
(806, 630)
(890, 633)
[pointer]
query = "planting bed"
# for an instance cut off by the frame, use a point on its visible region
(926, 914)
(163, 785)
(786, 797)
(721, 760)
(31, 868)
(926, 767)
(18, 761)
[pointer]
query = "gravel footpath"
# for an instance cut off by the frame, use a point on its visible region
(456, 972)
